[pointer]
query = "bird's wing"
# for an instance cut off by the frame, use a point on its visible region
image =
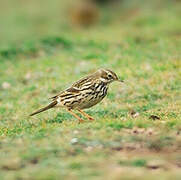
(76, 87)
(86, 81)
(69, 91)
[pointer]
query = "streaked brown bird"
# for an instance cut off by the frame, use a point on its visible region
(84, 93)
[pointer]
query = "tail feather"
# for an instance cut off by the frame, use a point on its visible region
(45, 108)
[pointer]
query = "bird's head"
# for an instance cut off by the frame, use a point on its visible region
(107, 76)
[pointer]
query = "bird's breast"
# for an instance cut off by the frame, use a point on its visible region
(93, 97)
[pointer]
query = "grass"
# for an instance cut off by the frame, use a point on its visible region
(141, 44)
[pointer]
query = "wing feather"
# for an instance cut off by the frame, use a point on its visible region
(67, 92)
(76, 87)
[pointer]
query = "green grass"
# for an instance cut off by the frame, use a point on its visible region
(141, 43)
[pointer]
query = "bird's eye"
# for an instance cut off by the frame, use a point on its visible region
(109, 76)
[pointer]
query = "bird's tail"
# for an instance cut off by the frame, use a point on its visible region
(51, 105)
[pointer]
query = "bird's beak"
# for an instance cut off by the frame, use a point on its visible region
(120, 80)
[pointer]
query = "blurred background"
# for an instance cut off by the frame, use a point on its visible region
(29, 20)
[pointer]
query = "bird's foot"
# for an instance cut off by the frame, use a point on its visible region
(81, 121)
(91, 118)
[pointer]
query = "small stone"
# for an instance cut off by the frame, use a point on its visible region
(134, 114)
(76, 132)
(89, 148)
(74, 141)
(6, 85)
(28, 76)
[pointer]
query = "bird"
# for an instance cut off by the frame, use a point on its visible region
(83, 94)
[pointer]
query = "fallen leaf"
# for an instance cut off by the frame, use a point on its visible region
(154, 117)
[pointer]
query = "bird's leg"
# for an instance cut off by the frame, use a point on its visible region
(86, 115)
(75, 115)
